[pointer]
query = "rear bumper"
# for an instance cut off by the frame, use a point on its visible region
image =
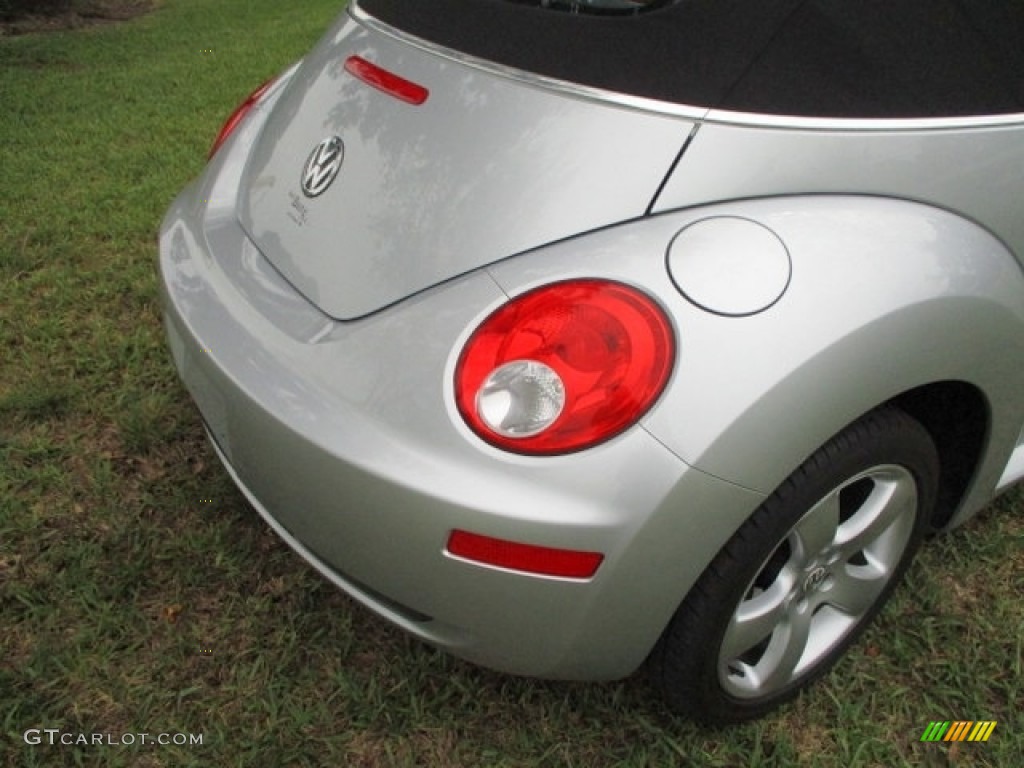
(356, 487)
(345, 438)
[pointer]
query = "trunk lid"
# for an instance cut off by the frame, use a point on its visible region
(487, 167)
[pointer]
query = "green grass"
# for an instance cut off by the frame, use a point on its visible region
(125, 551)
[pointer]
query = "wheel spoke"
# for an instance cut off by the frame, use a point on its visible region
(892, 497)
(754, 620)
(817, 529)
(855, 588)
(787, 647)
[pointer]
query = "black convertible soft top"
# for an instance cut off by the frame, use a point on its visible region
(839, 58)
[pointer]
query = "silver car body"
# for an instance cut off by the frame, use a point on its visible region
(318, 336)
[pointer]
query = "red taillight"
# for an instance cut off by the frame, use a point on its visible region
(236, 117)
(564, 367)
(530, 558)
(388, 82)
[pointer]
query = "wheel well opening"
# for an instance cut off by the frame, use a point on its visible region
(957, 417)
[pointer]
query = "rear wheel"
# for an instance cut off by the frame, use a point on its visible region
(803, 576)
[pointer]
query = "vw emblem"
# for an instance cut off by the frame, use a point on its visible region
(814, 579)
(322, 166)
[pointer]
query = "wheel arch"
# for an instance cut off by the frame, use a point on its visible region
(890, 301)
(958, 418)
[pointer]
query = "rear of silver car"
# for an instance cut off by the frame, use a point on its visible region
(318, 336)
(384, 198)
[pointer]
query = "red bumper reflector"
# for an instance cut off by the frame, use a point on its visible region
(567, 563)
(385, 81)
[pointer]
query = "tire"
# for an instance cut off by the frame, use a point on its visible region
(803, 576)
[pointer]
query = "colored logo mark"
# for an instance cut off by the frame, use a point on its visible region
(959, 730)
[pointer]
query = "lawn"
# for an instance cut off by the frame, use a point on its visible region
(140, 594)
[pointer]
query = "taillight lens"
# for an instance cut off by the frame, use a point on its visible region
(564, 367)
(238, 115)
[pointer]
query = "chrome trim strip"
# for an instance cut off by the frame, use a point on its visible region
(855, 124)
(716, 116)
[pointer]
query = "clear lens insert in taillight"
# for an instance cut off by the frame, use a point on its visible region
(564, 367)
(238, 115)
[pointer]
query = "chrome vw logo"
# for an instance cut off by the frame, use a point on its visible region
(322, 166)
(814, 579)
